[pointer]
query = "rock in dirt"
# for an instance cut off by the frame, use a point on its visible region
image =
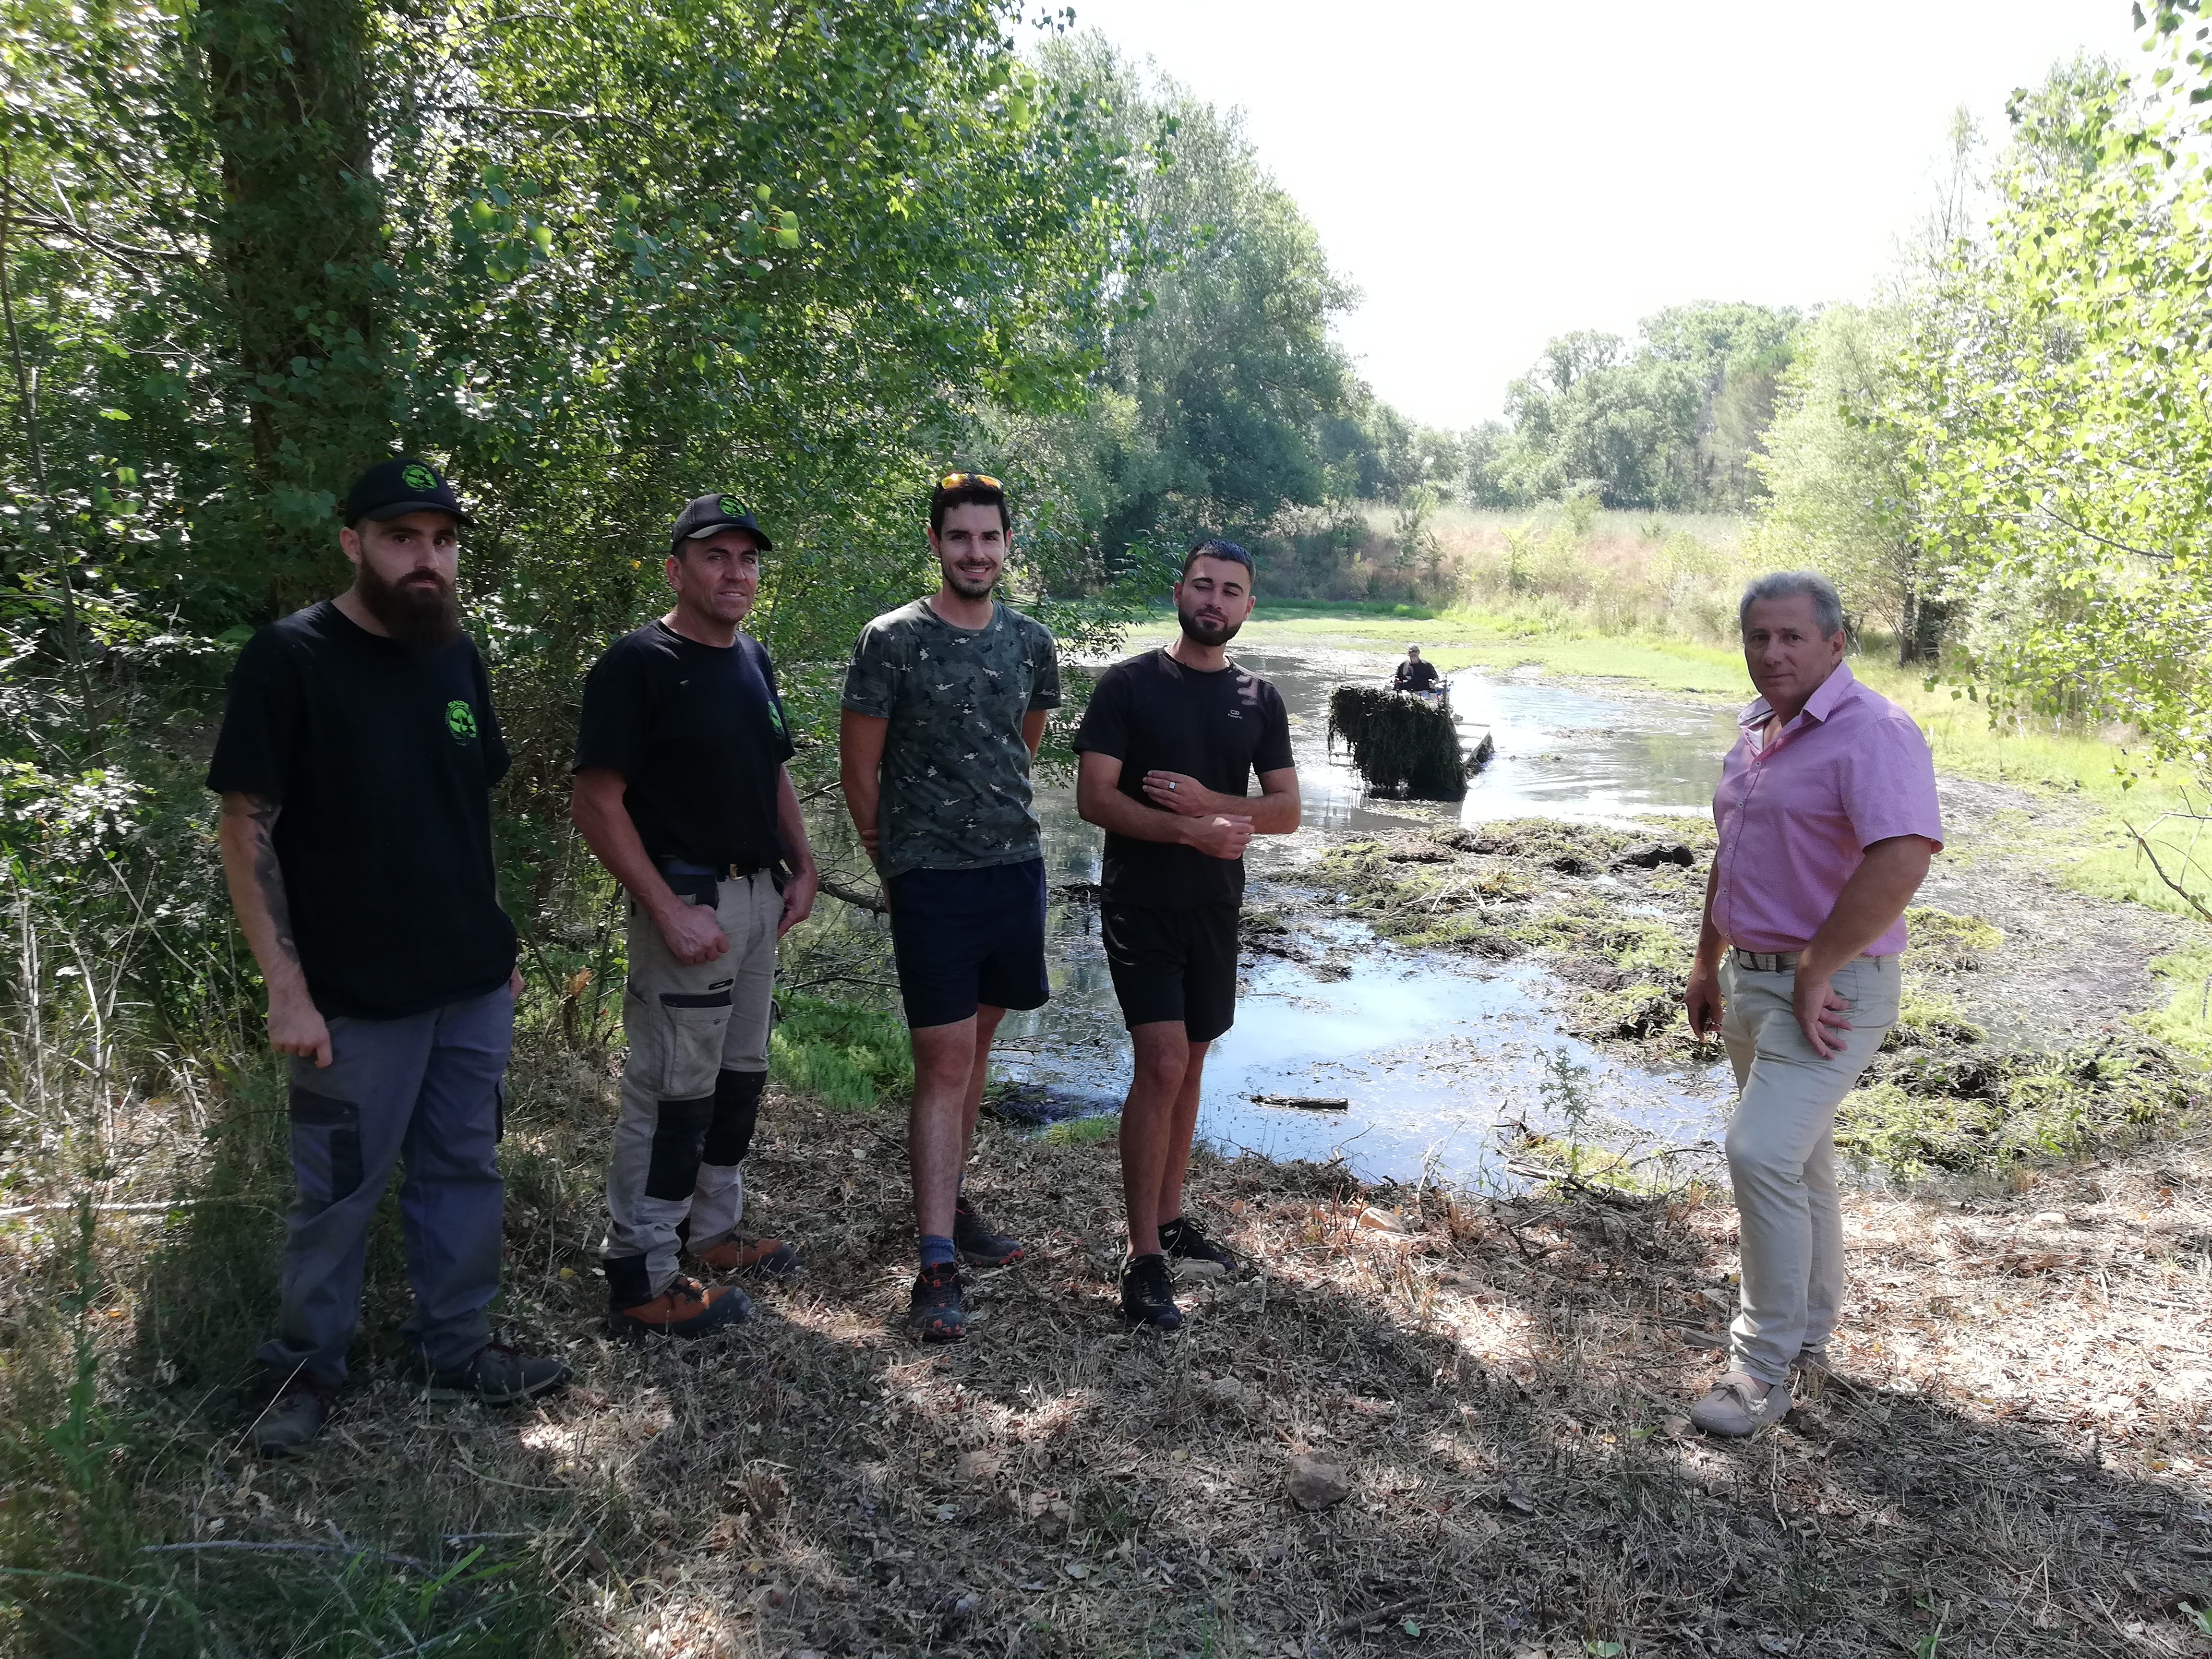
(1650, 854)
(1383, 1221)
(1315, 1483)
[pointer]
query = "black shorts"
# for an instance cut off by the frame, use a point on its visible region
(965, 939)
(1174, 965)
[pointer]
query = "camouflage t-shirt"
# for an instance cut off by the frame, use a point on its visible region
(956, 772)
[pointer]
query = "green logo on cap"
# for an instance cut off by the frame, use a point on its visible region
(460, 720)
(732, 508)
(416, 476)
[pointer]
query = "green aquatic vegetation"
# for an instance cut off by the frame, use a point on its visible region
(1938, 939)
(1959, 1112)
(844, 1055)
(1399, 743)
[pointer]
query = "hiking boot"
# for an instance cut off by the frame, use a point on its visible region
(496, 1374)
(974, 1241)
(295, 1417)
(1190, 1253)
(934, 1312)
(770, 1257)
(1148, 1292)
(686, 1309)
(1733, 1406)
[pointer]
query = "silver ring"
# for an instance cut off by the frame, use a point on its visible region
(1170, 786)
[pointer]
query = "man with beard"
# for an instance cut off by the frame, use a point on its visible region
(1413, 675)
(355, 762)
(681, 792)
(1169, 743)
(944, 705)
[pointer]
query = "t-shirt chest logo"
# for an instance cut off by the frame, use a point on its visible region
(461, 722)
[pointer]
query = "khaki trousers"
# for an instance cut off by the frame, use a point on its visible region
(1782, 1157)
(690, 1086)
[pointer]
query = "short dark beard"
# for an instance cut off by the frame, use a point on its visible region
(418, 620)
(966, 589)
(1209, 635)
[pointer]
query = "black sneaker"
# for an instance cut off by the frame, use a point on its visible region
(974, 1241)
(295, 1417)
(496, 1374)
(934, 1312)
(1148, 1294)
(1190, 1251)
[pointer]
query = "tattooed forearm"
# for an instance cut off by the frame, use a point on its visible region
(256, 879)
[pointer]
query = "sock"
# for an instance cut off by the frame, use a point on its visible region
(936, 1251)
(1167, 1231)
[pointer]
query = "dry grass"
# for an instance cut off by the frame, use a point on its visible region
(2017, 1464)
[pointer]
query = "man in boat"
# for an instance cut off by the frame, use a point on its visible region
(683, 793)
(1168, 745)
(945, 702)
(1414, 675)
(1827, 816)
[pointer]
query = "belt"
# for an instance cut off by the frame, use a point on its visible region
(720, 872)
(1767, 961)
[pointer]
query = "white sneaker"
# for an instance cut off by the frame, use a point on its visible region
(1735, 1407)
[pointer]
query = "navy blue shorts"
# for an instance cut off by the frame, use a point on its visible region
(968, 938)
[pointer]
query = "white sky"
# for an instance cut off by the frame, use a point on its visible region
(1491, 175)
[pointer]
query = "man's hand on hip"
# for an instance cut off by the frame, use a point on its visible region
(1822, 1012)
(798, 900)
(296, 1026)
(692, 933)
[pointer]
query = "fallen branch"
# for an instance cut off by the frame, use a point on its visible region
(1389, 1610)
(2187, 897)
(75, 1203)
(854, 896)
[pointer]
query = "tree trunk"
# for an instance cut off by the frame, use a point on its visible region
(1921, 638)
(299, 245)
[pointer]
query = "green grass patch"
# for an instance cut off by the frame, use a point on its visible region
(843, 1054)
(1084, 1131)
(2183, 1022)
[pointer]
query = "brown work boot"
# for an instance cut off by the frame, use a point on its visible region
(686, 1309)
(738, 1255)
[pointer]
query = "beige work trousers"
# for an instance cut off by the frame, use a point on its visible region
(1782, 1157)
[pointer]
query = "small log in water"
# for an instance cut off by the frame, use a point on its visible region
(1401, 743)
(1304, 1102)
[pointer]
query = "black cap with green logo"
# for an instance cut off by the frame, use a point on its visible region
(393, 489)
(708, 513)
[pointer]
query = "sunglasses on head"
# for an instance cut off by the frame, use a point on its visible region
(954, 480)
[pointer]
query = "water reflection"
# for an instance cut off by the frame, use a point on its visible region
(1432, 1052)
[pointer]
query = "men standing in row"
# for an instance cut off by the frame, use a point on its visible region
(355, 761)
(1827, 816)
(1169, 743)
(681, 792)
(945, 702)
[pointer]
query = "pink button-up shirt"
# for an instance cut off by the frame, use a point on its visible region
(1796, 814)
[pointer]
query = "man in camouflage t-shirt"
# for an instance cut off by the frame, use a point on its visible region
(944, 705)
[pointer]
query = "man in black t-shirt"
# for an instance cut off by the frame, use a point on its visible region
(681, 792)
(1414, 674)
(355, 762)
(1169, 743)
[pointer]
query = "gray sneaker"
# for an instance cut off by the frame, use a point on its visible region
(295, 1417)
(496, 1374)
(1733, 1406)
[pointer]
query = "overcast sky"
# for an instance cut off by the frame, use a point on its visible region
(1491, 175)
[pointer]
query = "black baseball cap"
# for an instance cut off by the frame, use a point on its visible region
(393, 489)
(710, 513)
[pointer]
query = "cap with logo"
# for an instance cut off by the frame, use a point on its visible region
(710, 513)
(393, 489)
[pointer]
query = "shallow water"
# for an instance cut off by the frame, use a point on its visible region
(1433, 1050)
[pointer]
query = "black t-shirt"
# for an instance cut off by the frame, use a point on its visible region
(1417, 675)
(383, 757)
(1153, 714)
(698, 732)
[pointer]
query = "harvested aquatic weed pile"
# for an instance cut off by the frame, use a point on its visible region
(1401, 745)
(1613, 913)
(1428, 1425)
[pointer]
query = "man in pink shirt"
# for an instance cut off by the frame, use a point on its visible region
(1828, 818)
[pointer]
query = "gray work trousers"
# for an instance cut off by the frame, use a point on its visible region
(422, 1092)
(1782, 1157)
(690, 1087)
